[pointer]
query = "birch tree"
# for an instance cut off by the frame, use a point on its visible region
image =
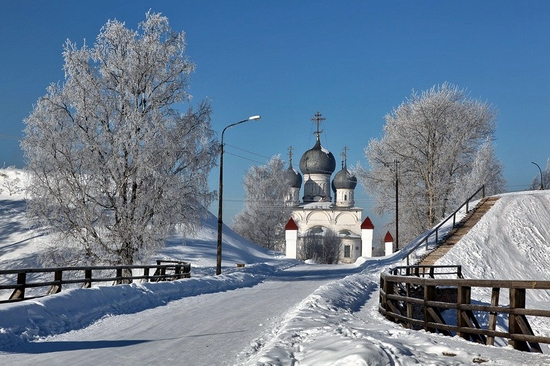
(264, 216)
(115, 165)
(430, 144)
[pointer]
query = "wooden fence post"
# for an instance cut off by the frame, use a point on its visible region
(429, 316)
(463, 298)
(58, 279)
(145, 274)
(409, 305)
(118, 280)
(493, 315)
(517, 301)
(19, 292)
(88, 278)
(385, 287)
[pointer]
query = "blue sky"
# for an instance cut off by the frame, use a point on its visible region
(353, 61)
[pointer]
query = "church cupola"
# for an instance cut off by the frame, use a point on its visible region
(317, 165)
(294, 181)
(317, 160)
(344, 184)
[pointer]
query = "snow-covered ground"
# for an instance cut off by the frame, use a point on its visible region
(273, 311)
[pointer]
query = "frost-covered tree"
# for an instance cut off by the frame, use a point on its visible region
(486, 170)
(10, 181)
(535, 184)
(263, 219)
(431, 143)
(115, 166)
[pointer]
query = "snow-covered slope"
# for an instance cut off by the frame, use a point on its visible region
(261, 323)
(511, 241)
(19, 243)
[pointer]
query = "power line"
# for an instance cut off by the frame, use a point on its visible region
(245, 158)
(247, 151)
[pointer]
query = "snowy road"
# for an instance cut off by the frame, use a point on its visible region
(209, 329)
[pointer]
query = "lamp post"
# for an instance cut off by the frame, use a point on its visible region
(220, 199)
(540, 171)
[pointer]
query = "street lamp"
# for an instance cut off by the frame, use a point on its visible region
(220, 199)
(540, 171)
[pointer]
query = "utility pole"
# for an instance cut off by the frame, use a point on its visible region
(396, 206)
(396, 162)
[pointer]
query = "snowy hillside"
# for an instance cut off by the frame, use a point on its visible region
(274, 311)
(511, 241)
(19, 244)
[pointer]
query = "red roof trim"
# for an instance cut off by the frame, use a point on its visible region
(367, 224)
(388, 238)
(291, 225)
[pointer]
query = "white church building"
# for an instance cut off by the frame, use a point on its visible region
(319, 212)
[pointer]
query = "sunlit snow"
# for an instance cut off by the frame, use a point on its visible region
(272, 311)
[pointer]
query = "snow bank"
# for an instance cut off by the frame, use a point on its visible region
(339, 324)
(77, 308)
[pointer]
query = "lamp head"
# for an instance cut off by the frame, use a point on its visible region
(255, 117)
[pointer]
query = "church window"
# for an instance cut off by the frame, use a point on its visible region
(347, 251)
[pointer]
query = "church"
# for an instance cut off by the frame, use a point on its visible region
(319, 213)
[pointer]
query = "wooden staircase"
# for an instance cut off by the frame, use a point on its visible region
(460, 230)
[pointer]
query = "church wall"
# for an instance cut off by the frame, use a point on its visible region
(293, 197)
(350, 250)
(317, 188)
(333, 219)
(349, 218)
(315, 218)
(345, 197)
(337, 220)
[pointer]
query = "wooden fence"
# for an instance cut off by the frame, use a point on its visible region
(418, 296)
(52, 280)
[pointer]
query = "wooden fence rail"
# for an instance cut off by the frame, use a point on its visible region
(418, 296)
(18, 281)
